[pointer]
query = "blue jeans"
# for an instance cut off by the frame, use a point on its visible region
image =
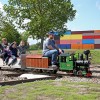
(14, 59)
(53, 55)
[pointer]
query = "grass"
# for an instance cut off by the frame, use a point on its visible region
(54, 89)
(51, 90)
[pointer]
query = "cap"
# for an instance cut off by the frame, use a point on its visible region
(51, 33)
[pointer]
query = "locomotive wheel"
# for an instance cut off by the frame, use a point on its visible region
(41, 71)
(75, 72)
(79, 73)
(53, 71)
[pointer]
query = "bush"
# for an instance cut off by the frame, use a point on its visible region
(35, 47)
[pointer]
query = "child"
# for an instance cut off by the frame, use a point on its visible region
(14, 51)
(8, 52)
(23, 47)
(3, 46)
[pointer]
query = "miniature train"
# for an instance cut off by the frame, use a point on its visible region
(78, 64)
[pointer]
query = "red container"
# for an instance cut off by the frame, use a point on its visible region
(97, 37)
(88, 37)
(96, 46)
(76, 41)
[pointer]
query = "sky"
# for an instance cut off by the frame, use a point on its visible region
(87, 16)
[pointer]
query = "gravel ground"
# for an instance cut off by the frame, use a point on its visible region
(7, 76)
(94, 79)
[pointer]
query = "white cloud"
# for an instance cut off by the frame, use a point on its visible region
(98, 4)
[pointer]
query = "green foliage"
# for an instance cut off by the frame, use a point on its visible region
(24, 36)
(35, 47)
(10, 33)
(8, 30)
(44, 15)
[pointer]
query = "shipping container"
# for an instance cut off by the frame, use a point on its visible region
(82, 32)
(97, 37)
(55, 33)
(88, 46)
(78, 41)
(68, 32)
(97, 41)
(96, 46)
(65, 41)
(88, 37)
(64, 46)
(76, 36)
(65, 37)
(88, 34)
(88, 41)
(76, 46)
(97, 31)
(71, 37)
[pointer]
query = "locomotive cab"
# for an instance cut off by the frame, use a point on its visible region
(79, 64)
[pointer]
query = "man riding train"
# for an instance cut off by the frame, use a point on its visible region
(50, 49)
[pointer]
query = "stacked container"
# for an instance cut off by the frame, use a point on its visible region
(65, 42)
(79, 40)
(97, 39)
(88, 40)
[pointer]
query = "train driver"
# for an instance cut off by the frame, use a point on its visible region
(50, 49)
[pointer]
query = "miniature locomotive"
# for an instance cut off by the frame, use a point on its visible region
(78, 64)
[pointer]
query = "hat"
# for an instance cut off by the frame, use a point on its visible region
(51, 33)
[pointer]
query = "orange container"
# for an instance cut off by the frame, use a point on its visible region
(88, 46)
(76, 46)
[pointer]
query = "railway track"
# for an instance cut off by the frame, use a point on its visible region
(11, 76)
(25, 80)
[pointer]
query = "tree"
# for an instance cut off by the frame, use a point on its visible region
(44, 15)
(7, 30)
(24, 36)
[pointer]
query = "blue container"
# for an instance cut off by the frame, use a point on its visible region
(59, 45)
(55, 33)
(68, 32)
(88, 41)
(64, 46)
